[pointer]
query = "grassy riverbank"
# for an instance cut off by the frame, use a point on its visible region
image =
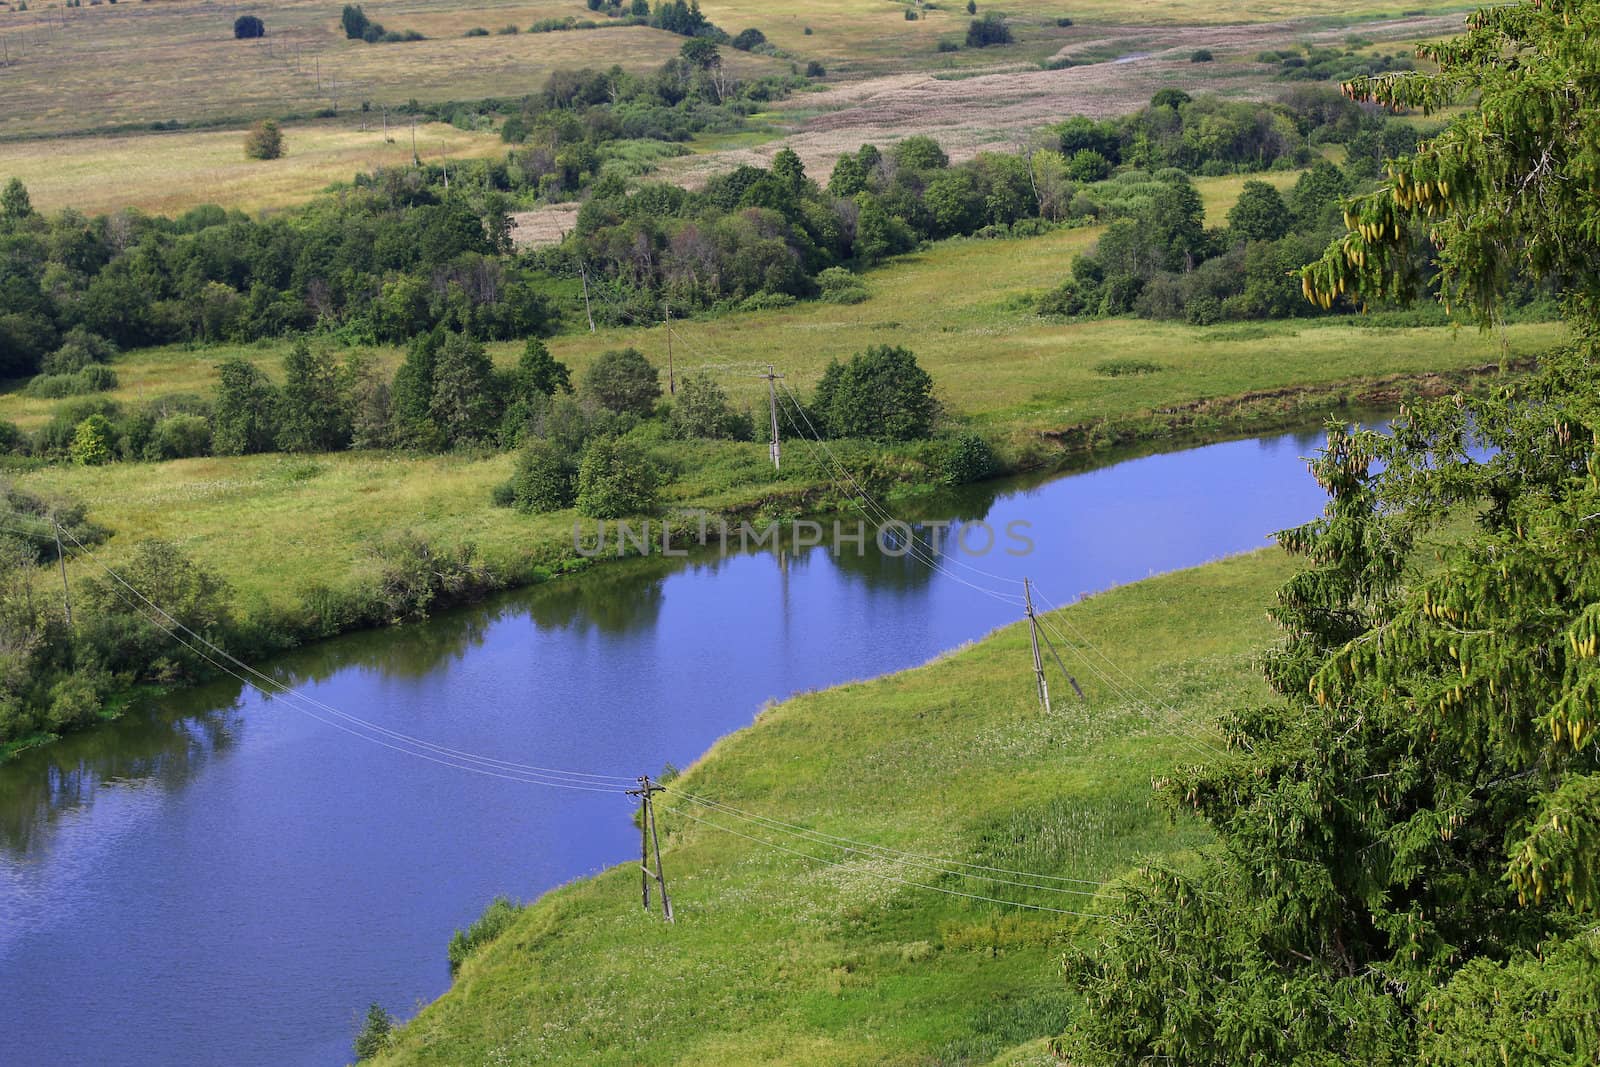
(776, 958)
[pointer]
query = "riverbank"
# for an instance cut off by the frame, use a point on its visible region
(293, 535)
(778, 958)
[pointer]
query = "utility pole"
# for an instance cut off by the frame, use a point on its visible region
(1033, 635)
(584, 273)
(772, 404)
(672, 382)
(648, 840)
(61, 558)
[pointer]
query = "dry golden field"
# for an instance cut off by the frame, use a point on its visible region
(129, 64)
(167, 173)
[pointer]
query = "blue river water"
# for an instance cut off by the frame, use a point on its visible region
(218, 878)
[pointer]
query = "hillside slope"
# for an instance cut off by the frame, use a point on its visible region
(777, 958)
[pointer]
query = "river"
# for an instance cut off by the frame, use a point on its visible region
(217, 878)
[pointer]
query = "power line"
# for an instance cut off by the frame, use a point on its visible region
(435, 753)
(889, 877)
(867, 848)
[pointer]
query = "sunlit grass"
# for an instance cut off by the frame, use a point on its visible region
(779, 959)
(168, 173)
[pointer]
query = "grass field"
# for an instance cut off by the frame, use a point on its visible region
(168, 173)
(274, 525)
(779, 959)
(90, 68)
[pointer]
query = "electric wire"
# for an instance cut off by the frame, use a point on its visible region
(436, 753)
(888, 877)
(865, 847)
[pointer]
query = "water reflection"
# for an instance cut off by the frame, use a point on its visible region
(217, 840)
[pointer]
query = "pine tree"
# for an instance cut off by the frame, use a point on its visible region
(1408, 857)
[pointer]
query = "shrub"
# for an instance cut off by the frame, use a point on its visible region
(1126, 368)
(1064, 300)
(79, 349)
(881, 393)
(91, 379)
(616, 479)
(246, 27)
(840, 286)
(74, 702)
(376, 1032)
(119, 637)
(500, 914)
(91, 442)
(968, 458)
(1087, 165)
(816, 70)
(476, 31)
(355, 22)
(808, 31)
(701, 409)
(544, 478)
(911, 14)
(1063, 22)
(748, 40)
(1202, 310)
(264, 141)
(948, 46)
(920, 152)
(179, 437)
(1201, 55)
(989, 30)
(508, 31)
(623, 381)
(415, 575)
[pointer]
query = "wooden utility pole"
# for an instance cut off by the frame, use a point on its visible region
(650, 841)
(583, 272)
(1033, 635)
(772, 404)
(672, 382)
(61, 558)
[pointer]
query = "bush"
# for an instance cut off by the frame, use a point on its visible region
(1202, 310)
(355, 22)
(91, 442)
(1064, 300)
(1063, 22)
(989, 30)
(816, 70)
(246, 27)
(623, 381)
(79, 349)
(881, 393)
(748, 40)
(616, 479)
(544, 478)
(948, 46)
(119, 637)
(376, 1033)
(264, 141)
(1201, 55)
(91, 379)
(415, 575)
(911, 14)
(1087, 165)
(179, 437)
(840, 286)
(501, 913)
(74, 703)
(1126, 368)
(476, 31)
(968, 458)
(701, 409)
